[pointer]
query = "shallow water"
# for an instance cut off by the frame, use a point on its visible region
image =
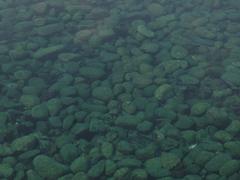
(120, 89)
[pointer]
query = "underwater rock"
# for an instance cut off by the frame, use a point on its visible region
(97, 169)
(46, 52)
(163, 92)
(83, 35)
(199, 108)
(139, 174)
(178, 52)
(169, 160)
(229, 167)
(49, 29)
(92, 73)
(80, 164)
(107, 149)
(102, 93)
(66, 57)
(143, 30)
(155, 9)
(154, 168)
(149, 47)
(39, 111)
(48, 167)
(54, 105)
(231, 75)
(128, 121)
(40, 8)
(216, 162)
(29, 100)
(68, 152)
(24, 143)
(6, 170)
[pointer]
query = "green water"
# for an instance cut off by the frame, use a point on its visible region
(119, 90)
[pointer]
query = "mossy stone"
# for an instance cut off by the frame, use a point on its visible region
(47, 167)
(80, 164)
(143, 30)
(22, 74)
(24, 143)
(139, 174)
(230, 167)
(145, 126)
(102, 93)
(154, 168)
(107, 149)
(39, 111)
(199, 108)
(130, 121)
(97, 169)
(54, 105)
(48, 51)
(29, 100)
(6, 170)
(169, 160)
(110, 167)
(163, 92)
(92, 73)
(178, 52)
(216, 162)
(129, 162)
(233, 147)
(121, 173)
(69, 152)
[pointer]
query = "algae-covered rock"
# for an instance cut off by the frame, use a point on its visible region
(143, 30)
(83, 35)
(69, 152)
(129, 121)
(199, 108)
(22, 74)
(155, 9)
(154, 168)
(169, 160)
(39, 111)
(107, 149)
(6, 171)
(233, 147)
(150, 47)
(24, 143)
(163, 92)
(121, 173)
(32, 175)
(229, 167)
(231, 75)
(48, 167)
(46, 52)
(54, 105)
(110, 167)
(141, 81)
(66, 57)
(49, 29)
(40, 8)
(92, 73)
(178, 52)
(102, 93)
(216, 162)
(29, 100)
(129, 162)
(80, 164)
(139, 174)
(97, 169)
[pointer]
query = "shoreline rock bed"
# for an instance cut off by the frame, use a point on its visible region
(119, 90)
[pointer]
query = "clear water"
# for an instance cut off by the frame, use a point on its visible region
(120, 90)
